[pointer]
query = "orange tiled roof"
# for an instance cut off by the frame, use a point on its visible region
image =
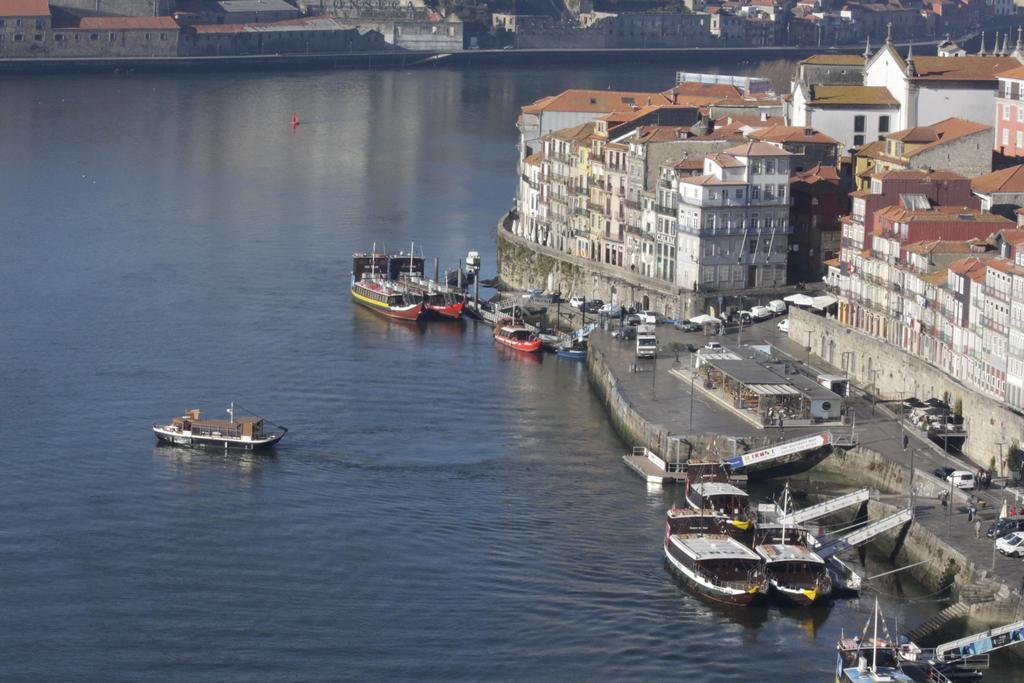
(834, 60)
(817, 174)
(943, 246)
(1007, 180)
(917, 174)
(792, 134)
(757, 149)
(711, 90)
(725, 160)
(846, 95)
(24, 8)
(596, 101)
(966, 68)
(154, 23)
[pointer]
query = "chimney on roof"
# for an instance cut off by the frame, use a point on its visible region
(809, 132)
(764, 115)
(648, 100)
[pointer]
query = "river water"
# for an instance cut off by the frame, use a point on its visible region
(441, 509)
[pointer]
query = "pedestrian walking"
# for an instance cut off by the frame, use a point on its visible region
(977, 528)
(972, 511)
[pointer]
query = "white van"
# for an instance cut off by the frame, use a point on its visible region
(962, 479)
(777, 306)
(761, 313)
(646, 342)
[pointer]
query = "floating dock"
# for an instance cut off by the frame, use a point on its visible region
(652, 468)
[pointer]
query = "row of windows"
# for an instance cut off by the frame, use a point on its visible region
(860, 120)
(17, 22)
(1019, 138)
(1020, 113)
(63, 37)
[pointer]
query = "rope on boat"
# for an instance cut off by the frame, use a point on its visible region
(255, 414)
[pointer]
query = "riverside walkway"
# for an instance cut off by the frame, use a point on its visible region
(665, 399)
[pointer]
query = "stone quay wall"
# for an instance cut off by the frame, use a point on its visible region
(891, 373)
(637, 430)
(523, 264)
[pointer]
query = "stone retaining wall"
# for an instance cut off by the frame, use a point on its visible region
(899, 374)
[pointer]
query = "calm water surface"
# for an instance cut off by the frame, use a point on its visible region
(442, 509)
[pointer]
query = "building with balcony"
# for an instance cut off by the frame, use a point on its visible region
(733, 220)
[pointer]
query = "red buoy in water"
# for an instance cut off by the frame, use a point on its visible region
(295, 120)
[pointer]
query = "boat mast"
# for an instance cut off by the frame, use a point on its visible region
(874, 642)
(412, 250)
(785, 511)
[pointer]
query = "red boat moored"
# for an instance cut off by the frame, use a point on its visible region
(516, 336)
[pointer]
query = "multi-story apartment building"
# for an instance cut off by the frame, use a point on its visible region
(1009, 114)
(733, 220)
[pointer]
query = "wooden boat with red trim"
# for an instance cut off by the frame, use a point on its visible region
(439, 300)
(372, 290)
(516, 336)
(390, 301)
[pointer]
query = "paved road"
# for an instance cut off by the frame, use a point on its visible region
(665, 399)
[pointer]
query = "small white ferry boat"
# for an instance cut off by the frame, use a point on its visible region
(246, 432)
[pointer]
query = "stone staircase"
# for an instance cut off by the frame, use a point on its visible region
(929, 627)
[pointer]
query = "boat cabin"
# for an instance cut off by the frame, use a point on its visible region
(384, 295)
(719, 559)
(239, 428)
(518, 334)
(706, 471)
(868, 661)
(723, 498)
(685, 521)
(372, 266)
(773, 532)
(402, 266)
(793, 566)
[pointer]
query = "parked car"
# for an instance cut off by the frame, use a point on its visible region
(611, 310)
(1004, 526)
(713, 346)
(1011, 544)
(533, 293)
(784, 326)
(576, 301)
(627, 332)
(943, 472)
(687, 326)
(759, 313)
(962, 479)
(594, 305)
(744, 317)
(632, 319)
(649, 317)
(778, 306)
(692, 348)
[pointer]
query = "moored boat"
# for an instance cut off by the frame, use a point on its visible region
(795, 572)
(709, 490)
(869, 660)
(574, 350)
(246, 433)
(517, 336)
(372, 290)
(716, 567)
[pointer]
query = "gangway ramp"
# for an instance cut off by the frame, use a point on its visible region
(865, 533)
(788, 451)
(826, 508)
(980, 643)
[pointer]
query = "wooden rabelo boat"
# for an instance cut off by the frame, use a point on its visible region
(795, 572)
(246, 433)
(709, 490)
(716, 566)
(371, 289)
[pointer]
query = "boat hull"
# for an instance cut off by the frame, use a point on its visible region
(447, 311)
(800, 597)
(525, 347)
(172, 438)
(572, 354)
(707, 591)
(412, 313)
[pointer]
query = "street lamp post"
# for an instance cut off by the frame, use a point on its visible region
(808, 347)
(693, 377)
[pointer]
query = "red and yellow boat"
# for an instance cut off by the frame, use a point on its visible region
(371, 290)
(517, 336)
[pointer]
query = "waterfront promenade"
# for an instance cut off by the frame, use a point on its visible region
(665, 399)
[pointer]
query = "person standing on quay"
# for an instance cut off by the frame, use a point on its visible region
(977, 528)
